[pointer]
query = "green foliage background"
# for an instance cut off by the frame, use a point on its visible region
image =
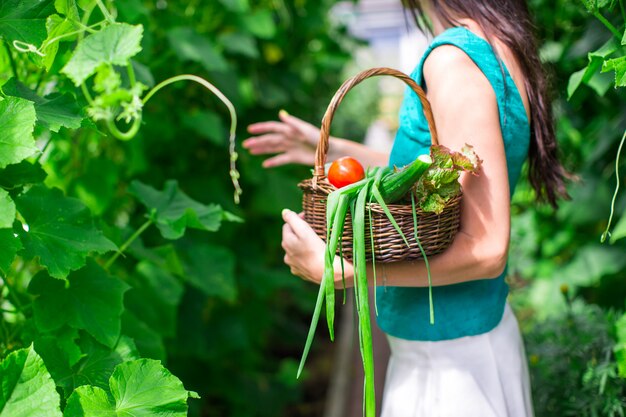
(568, 286)
(208, 295)
(219, 308)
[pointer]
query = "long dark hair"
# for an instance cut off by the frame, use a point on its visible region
(509, 21)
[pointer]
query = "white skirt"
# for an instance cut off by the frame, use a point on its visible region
(474, 376)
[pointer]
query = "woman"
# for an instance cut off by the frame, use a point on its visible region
(486, 87)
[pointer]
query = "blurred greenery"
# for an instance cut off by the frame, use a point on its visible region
(220, 309)
(570, 344)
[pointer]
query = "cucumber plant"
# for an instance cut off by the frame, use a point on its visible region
(76, 329)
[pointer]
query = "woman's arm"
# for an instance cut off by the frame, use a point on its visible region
(295, 141)
(466, 111)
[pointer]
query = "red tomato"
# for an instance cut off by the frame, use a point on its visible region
(345, 171)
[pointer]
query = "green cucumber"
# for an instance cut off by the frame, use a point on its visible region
(396, 185)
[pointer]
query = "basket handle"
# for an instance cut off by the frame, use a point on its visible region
(322, 146)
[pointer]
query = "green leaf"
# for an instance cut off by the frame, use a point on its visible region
(17, 122)
(575, 80)
(620, 346)
(53, 112)
(27, 388)
(21, 174)
(209, 126)
(590, 5)
(239, 6)
(589, 74)
(74, 360)
(9, 246)
(434, 203)
(624, 38)
(619, 231)
(191, 46)
(114, 45)
(99, 361)
(620, 358)
(240, 43)
(92, 300)
(619, 66)
(211, 269)
(97, 184)
(7, 210)
(149, 342)
(132, 10)
(138, 388)
(59, 351)
(260, 24)
(173, 211)
(61, 231)
(89, 401)
(67, 8)
(165, 257)
(600, 83)
(24, 20)
(620, 329)
(59, 29)
(154, 298)
(591, 264)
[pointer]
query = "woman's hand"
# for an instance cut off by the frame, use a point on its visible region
(293, 139)
(305, 251)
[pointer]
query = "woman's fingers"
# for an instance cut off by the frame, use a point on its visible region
(308, 132)
(270, 127)
(269, 143)
(301, 228)
(289, 237)
(278, 160)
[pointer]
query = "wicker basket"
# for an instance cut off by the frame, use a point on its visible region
(435, 232)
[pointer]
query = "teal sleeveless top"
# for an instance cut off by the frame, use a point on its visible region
(473, 307)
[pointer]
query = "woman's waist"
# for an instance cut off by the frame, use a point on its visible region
(465, 309)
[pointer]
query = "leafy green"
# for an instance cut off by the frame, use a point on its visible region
(21, 173)
(7, 210)
(149, 342)
(92, 300)
(211, 269)
(99, 361)
(620, 346)
(9, 246)
(140, 388)
(53, 112)
(173, 211)
(208, 125)
(61, 231)
(191, 46)
(260, 24)
(619, 66)
(27, 388)
(587, 74)
(17, 122)
(114, 45)
(24, 20)
(440, 183)
(154, 297)
(60, 352)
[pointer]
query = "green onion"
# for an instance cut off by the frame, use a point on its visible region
(430, 283)
(365, 333)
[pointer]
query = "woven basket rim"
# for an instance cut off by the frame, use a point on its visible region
(324, 188)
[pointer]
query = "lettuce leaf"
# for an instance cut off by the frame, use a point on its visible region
(441, 182)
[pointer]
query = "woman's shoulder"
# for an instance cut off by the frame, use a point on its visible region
(450, 65)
